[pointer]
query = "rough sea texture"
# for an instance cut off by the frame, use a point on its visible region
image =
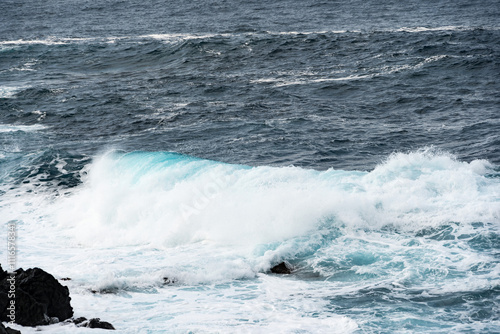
(165, 155)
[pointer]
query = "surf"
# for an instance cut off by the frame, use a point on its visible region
(165, 199)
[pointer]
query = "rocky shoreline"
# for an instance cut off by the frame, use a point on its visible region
(34, 297)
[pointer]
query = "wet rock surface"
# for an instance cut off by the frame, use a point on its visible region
(282, 268)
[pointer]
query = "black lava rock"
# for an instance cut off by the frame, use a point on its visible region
(79, 320)
(97, 323)
(8, 330)
(92, 323)
(3, 274)
(39, 298)
(281, 268)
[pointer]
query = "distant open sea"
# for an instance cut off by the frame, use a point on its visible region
(164, 155)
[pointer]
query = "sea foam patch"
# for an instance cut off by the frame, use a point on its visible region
(186, 232)
(23, 128)
(7, 92)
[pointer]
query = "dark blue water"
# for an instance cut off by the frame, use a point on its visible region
(318, 85)
(330, 84)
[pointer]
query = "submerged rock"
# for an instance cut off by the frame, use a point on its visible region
(281, 268)
(105, 291)
(167, 280)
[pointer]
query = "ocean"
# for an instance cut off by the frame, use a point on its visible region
(164, 155)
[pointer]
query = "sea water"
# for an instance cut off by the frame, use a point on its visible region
(164, 156)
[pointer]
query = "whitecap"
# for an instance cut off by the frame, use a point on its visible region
(7, 92)
(24, 128)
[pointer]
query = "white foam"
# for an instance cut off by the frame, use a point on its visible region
(24, 128)
(307, 33)
(183, 36)
(278, 82)
(61, 40)
(9, 91)
(124, 231)
(41, 115)
(443, 28)
(311, 78)
(165, 206)
(28, 66)
(30, 42)
(53, 40)
(167, 37)
(221, 204)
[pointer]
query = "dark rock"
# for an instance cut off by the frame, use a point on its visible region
(29, 312)
(8, 330)
(39, 298)
(12, 331)
(106, 291)
(92, 323)
(167, 280)
(4, 299)
(79, 320)
(53, 320)
(4, 303)
(281, 268)
(3, 273)
(17, 305)
(97, 323)
(47, 290)
(65, 279)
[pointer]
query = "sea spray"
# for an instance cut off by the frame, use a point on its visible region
(167, 199)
